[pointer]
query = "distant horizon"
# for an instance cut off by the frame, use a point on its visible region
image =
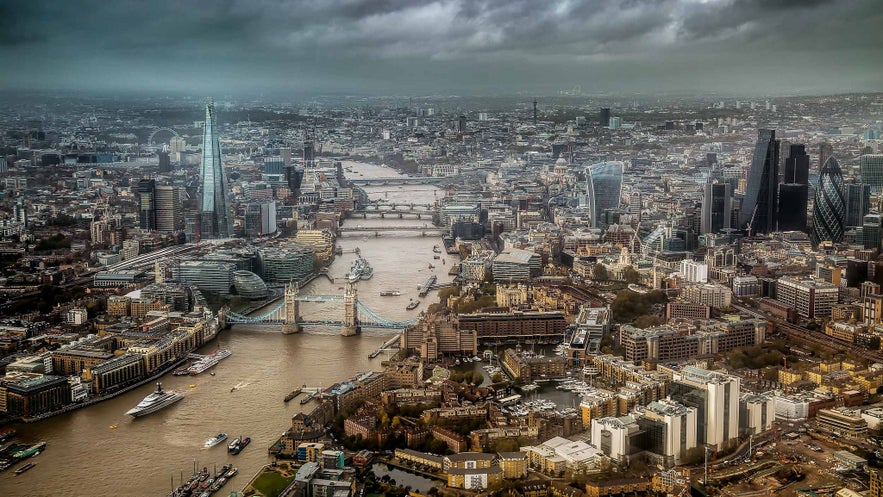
(747, 48)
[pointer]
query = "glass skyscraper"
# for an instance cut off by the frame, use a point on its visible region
(604, 187)
(717, 207)
(759, 206)
(214, 208)
(871, 166)
(829, 208)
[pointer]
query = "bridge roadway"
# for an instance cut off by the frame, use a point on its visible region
(378, 229)
(397, 181)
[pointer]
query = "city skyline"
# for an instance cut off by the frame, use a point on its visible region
(445, 46)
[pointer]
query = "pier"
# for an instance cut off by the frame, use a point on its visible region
(386, 345)
(424, 290)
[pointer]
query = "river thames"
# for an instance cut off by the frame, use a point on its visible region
(99, 451)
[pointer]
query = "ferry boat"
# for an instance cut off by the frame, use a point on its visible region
(412, 305)
(211, 442)
(234, 444)
(33, 450)
(157, 400)
(208, 362)
(390, 293)
(436, 249)
(25, 468)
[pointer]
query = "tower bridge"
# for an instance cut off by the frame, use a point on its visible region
(356, 315)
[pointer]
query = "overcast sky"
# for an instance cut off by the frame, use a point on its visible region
(457, 46)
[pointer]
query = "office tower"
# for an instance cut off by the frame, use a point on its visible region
(604, 117)
(872, 231)
(260, 218)
(710, 159)
(535, 112)
(274, 165)
(717, 207)
(793, 199)
(829, 207)
(715, 396)
(796, 165)
(615, 122)
(165, 162)
(758, 212)
(169, 212)
(461, 123)
(871, 166)
(146, 204)
(214, 208)
(604, 187)
(858, 201)
(826, 150)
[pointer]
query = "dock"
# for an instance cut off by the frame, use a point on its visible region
(313, 392)
(387, 344)
(294, 393)
(424, 290)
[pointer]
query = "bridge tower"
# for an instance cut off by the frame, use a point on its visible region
(350, 321)
(292, 312)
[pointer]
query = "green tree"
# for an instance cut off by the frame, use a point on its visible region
(599, 272)
(631, 275)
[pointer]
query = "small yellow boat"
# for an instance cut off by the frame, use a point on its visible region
(192, 385)
(113, 427)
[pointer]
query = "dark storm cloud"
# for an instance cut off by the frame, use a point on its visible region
(399, 45)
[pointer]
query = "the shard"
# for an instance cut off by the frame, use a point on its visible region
(214, 207)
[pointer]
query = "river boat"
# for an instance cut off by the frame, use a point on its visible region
(25, 468)
(436, 257)
(390, 293)
(211, 442)
(7, 434)
(436, 249)
(431, 266)
(157, 400)
(208, 362)
(412, 305)
(243, 443)
(33, 450)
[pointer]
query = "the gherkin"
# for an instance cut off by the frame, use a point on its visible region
(829, 207)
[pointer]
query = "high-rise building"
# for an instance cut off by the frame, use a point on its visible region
(146, 204)
(717, 207)
(274, 165)
(715, 396)
(826, 150)
(792, 207)
(165, 162)
(829, 206)
(872, 231)
(759, 210)
(215, 220)
(169, 213)
(858, 201)
(20, 212)
(604, 187)
(260, 218)
(604, 117)
(796, 165)
(871, 166)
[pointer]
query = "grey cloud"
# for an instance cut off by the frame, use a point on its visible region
(386, 44)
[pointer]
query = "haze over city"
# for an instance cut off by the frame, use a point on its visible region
(740, 47)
